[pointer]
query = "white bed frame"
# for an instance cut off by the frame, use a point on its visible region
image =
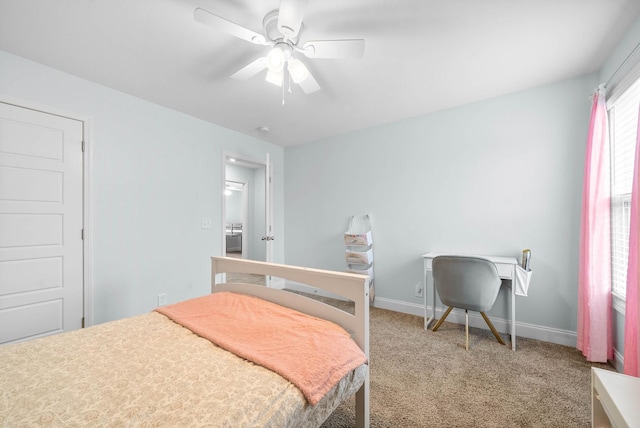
(350, 286)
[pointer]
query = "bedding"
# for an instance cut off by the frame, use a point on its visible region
(266, 334)
(150, 371)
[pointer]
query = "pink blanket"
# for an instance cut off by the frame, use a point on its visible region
(311, 353)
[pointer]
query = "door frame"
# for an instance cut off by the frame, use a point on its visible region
(268, 198)
(87, 193)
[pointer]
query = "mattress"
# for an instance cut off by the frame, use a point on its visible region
(149, 371)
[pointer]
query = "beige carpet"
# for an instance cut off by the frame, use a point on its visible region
(424, 379)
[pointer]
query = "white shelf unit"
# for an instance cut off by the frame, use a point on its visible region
(614, 399)
(358, 255)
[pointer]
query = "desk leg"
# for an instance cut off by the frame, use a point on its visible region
(513, 309)
(424, 297)
(433, 308)
(428, 320)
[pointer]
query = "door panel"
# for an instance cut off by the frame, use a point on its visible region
(30, 139)
(36, 319)
(24, 276)
(30, 230)
(37, 185)
(41, 220)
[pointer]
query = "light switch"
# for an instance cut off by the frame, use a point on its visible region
(206, 223)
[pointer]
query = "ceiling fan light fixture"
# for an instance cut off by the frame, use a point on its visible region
(275, 77)
(299, 72)
(275, 59)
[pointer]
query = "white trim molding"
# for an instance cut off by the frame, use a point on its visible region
(531, 331)
(618, 361)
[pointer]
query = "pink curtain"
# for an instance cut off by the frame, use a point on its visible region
(631, 319)
(594, 274)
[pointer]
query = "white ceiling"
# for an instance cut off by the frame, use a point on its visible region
(420, 56)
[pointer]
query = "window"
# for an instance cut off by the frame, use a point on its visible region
(623, 123)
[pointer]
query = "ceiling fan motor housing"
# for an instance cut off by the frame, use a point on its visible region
(270, 25)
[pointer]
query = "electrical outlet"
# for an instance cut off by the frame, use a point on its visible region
(418, 290)
(162, 299)
(206, 223)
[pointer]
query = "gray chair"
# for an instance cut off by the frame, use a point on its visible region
(469, 283)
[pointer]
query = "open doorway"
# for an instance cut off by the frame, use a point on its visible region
(246, 215)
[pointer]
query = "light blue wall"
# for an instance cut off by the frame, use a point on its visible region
(156, 174)
(493, 177)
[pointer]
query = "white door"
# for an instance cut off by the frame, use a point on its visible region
(41, 220)
(268, 211)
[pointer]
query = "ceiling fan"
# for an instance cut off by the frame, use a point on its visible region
(282, 28)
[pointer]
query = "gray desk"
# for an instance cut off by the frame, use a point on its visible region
(506, 269)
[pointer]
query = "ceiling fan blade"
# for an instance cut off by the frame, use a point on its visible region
(221, 24)
(250, 70)
(351, 48)
(309, 85)
(290, 16)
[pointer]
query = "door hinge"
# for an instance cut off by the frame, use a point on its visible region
(82, 234)
(82, 322)
(83, 146)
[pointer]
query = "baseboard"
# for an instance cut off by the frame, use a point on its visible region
(398, 306)
(618, 361)
(531, 331)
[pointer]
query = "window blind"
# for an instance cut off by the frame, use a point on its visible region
(623, 128)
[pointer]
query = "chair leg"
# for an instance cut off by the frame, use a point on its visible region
(466, 329)
(493, 329)
(442, 318)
